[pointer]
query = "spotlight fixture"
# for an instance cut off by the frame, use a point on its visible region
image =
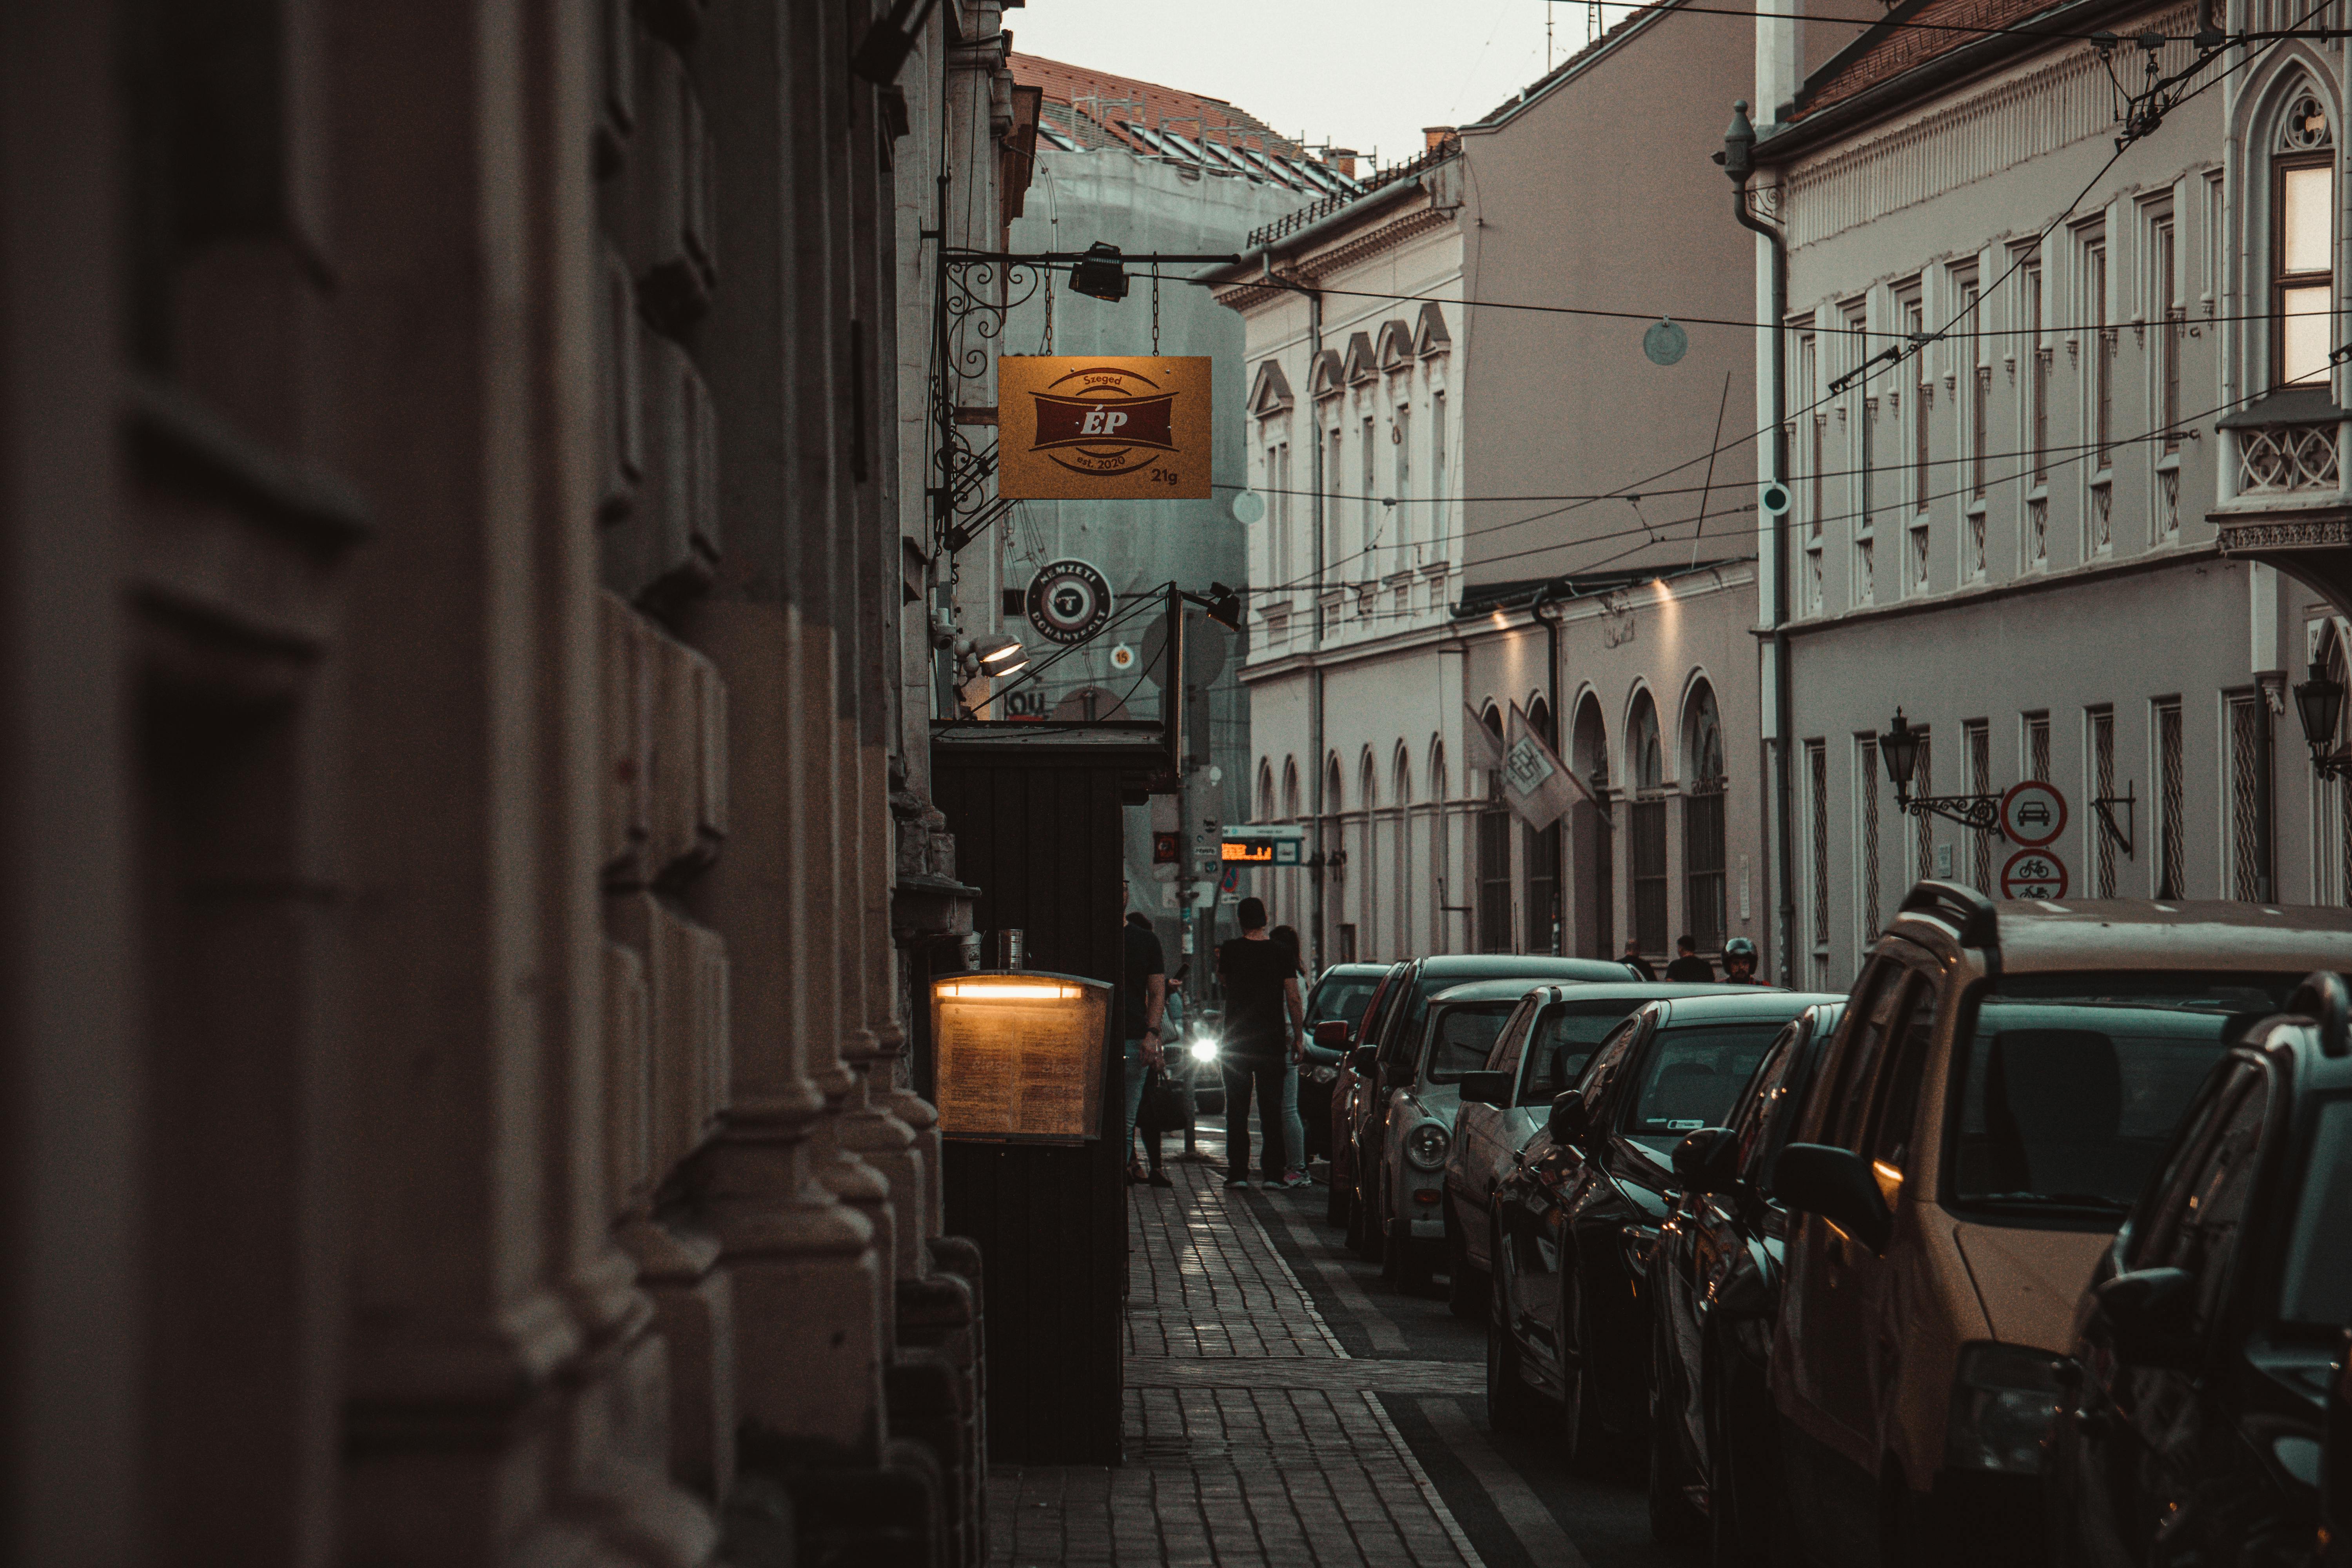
(997, 650)
(1100, 272)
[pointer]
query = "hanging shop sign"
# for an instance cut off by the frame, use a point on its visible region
(1102, 428)
(1020, 1055)
(1068, 601)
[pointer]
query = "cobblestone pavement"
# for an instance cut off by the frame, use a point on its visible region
(1286, 1407)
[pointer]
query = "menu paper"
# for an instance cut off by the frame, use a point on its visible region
(1019, 1066)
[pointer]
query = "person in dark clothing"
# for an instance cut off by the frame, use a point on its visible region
(1264, 1016)
(1633, 956)
(1143, 992)
(1687, 965)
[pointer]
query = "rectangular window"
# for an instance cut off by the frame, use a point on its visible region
(2103, 786)
(1868, 463)
(1649, 832)
(1915, 322)
(1438, 520)
(1333, 557)
(1923, 782)
(1808, 366)
(1286, 510)
(1979, 444)
(1544, 924)
(2103, 391)
(2166, 317)
(1866, 859)
(1407, 520)
(1370, 508)
(2037, 746)
(1976, 736)
(2171, 822)
(1817, 780)
(2303, 215)
(2250, 879)
(1857, 411)
(2037, 374)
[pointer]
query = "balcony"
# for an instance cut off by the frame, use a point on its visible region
(2287, 444)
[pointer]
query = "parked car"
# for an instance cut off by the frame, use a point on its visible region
(1350, 1092)
(1457, 1035)
(1341, 994)
(1540, 1052)
(2193, 1408)
(2002, 1085)
(1394, 1040)
(1572, 1227)
(1715, 1294)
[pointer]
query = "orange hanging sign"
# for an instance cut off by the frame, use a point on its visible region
(1100, 427)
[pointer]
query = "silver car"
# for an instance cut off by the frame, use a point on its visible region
(1503, 1105)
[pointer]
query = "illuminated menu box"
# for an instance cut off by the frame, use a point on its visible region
(1020, 1055)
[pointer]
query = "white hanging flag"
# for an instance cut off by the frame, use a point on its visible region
(1535, 784)
(1485, 747)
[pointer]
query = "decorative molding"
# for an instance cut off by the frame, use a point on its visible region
(2330, 530)
(2065, 100)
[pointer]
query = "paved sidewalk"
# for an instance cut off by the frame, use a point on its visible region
(1252, 1436)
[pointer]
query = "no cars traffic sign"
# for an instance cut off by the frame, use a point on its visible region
(2033, 814)
(2034, 874)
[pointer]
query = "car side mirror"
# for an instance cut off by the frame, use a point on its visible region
(1705, 1161)
(1333, 1034)
(1568, 1121)
(2146, 1311)
(1486, 1088)
(1838, 1185)
(1362, 1059)
(1399, 1073)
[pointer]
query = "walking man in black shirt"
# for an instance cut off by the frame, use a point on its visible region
(1265, 1016)
(1687, 965)
(1143, 990)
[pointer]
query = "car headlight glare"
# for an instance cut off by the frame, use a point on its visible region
(1205, 1050)
(1426, 1145)
(2004, 1403)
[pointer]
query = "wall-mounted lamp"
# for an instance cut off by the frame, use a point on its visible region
(2319, 704)
(1900, 748)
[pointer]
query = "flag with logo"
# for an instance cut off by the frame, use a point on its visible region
(1535, 784)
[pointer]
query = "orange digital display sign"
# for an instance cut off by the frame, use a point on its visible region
(1248, 854)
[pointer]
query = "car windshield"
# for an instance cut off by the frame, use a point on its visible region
(1461, 1037)
(2318, 1285)
(2073, 1083)
(1345, 999)
(1565, 1037)
(1693, 1079)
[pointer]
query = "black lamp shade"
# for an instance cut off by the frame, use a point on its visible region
(1099, 272)
(2319, 703)
(1900, 747)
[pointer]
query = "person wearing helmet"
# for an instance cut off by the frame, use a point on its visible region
(1739, 961)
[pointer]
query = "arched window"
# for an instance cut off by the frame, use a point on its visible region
(1494, 933)
(1440, 861)
(2303, 233)
(1366, 854)
(1545, 927)
(1646, 827)
(1400, 850)
(1290, 788)
(1596, 837)
(1265, 790)
(1705, 883)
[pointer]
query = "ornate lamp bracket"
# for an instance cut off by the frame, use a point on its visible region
(1982, 812)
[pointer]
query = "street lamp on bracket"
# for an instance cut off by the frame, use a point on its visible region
(1900, 748)
(2319, 704)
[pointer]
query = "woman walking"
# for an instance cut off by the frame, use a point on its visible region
(1302, 1050)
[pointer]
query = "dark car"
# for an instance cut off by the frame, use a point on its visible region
(1351, 1089)
(1394, 1037)
(1541, 1051)
(1715, 1291)
(1572, 1227)
(2193, 1407)
(1342, 994)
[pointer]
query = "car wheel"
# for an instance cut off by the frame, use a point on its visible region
(1465, 1288)
(1583, 1437)
(1511, 1405)
(1674, 1523)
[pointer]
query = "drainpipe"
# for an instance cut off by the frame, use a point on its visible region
(1321, 881)
(1738, 162)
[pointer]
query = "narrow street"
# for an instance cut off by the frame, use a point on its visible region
(1285, 1405)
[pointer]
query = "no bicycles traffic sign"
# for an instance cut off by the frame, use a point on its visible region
(2034, 874)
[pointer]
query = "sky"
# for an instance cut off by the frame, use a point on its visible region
(1364, 74)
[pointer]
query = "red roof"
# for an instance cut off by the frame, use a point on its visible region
(1106, 98)
(1899, 50)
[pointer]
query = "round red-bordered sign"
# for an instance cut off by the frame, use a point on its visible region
(2034, 874)
(2032, 813)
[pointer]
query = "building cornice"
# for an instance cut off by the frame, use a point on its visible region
(2015, 588)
